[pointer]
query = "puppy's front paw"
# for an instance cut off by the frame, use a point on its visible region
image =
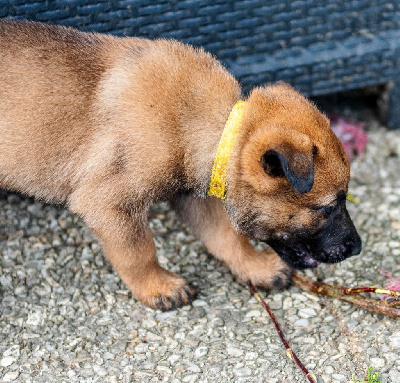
(165, 291)
(281, 279)
(266, 269)
(174, 299)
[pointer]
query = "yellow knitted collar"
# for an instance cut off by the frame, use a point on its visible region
(224, 151)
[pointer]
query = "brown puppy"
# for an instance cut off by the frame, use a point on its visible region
(112, 125)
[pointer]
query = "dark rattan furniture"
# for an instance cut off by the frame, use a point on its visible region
(318, 46)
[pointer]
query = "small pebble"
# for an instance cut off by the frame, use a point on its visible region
(10, 376)
(7, 361)
(234, 351)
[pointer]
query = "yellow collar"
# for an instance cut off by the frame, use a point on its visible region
(224, 151)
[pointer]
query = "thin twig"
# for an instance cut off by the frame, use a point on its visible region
(338, 292)
(371, 289)
(289, 352)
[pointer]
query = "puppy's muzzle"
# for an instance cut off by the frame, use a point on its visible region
(331, 244)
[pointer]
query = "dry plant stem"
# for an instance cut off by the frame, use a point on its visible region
(338, 292)
(289, 351)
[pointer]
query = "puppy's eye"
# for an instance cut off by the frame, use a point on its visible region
(328, 210)
(334, 206)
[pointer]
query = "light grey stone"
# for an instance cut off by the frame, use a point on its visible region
(339, 377)
(394, 376)
(201, 351)
(395, 340)
(191, 366)
(233, 351)
(243, 371)
(7, 361)
(10, 376)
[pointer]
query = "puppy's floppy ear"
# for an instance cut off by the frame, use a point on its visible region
(297, 166)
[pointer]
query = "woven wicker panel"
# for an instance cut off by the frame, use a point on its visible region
(318, 46)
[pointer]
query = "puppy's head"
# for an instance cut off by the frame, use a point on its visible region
(288, 178)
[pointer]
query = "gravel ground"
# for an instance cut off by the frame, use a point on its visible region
(66, 316)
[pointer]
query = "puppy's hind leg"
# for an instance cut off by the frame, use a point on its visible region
(211, 224)
(128, 243)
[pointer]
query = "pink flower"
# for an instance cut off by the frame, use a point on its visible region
(391, 284)
(350, 133)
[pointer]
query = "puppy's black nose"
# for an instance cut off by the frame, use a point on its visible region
(356, 248)
(354, 243)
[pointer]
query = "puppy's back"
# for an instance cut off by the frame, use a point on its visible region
(70, 100)
(48, 77)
